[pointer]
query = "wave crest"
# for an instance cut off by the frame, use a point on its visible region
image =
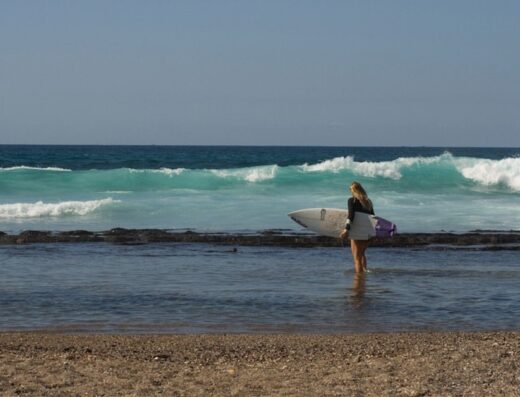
(491, 172)
(27, 168)
(386, 169)
(164, 170)
(486, 172)
(411, 172)
(171, 171)
(41, 209)
(252, 174)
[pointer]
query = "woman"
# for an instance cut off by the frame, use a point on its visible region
(359, 202)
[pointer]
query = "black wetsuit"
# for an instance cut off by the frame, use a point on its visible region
(354, 206)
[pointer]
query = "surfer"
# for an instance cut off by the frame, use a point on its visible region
(359, 202)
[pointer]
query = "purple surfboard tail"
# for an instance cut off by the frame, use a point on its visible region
(384, 228)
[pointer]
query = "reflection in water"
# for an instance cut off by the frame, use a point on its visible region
(358, 290)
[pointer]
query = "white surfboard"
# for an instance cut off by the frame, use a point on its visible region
(331, 222)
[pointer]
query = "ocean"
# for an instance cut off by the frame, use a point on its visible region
(168, 287)
(221, 188)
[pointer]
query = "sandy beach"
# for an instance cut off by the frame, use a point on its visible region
(391, 364)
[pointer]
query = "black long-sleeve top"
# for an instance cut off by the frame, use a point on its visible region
(355, 206)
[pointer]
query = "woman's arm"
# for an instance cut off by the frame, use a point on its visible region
(351, 213)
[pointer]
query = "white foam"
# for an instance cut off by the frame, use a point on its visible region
(25, 167)
(41, 209)
(335, 165)
(164, 170)
(170, 171)
(491, 172)
(252, 174)
(483, 171)
(386, 169)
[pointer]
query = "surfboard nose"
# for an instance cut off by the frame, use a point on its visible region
(296, 216)
(299, 222)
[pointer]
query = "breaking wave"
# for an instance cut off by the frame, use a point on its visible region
(41, 209)
(251, 174)
(164, 171)
(486, 172)
(404, 173)
(386, 169)
(492, 172)
(27, 168)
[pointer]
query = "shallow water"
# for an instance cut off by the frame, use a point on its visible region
(206, 288)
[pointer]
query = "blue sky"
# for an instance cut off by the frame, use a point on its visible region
(432, 73)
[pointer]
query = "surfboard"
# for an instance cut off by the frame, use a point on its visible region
(331, 222)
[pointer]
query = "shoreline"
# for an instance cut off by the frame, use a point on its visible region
(404, 364)
(475, 240)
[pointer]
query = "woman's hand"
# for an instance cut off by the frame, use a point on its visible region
(344, 234)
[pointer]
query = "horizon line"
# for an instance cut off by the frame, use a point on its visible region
(263, 145)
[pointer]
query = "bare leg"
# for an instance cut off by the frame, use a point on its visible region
(364, 258)
(357, 255)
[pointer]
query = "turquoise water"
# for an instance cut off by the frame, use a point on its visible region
(248, 188)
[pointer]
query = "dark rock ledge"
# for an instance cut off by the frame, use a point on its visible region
(485, 240)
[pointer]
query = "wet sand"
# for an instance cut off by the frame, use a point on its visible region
(393, 364)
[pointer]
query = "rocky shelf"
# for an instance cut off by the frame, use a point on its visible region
(478, 240)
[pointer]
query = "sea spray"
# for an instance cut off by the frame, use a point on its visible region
(386, 169)
(504, 172)
(250, 174)
(41, 209)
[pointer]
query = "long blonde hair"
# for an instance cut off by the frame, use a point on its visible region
(359, 193)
